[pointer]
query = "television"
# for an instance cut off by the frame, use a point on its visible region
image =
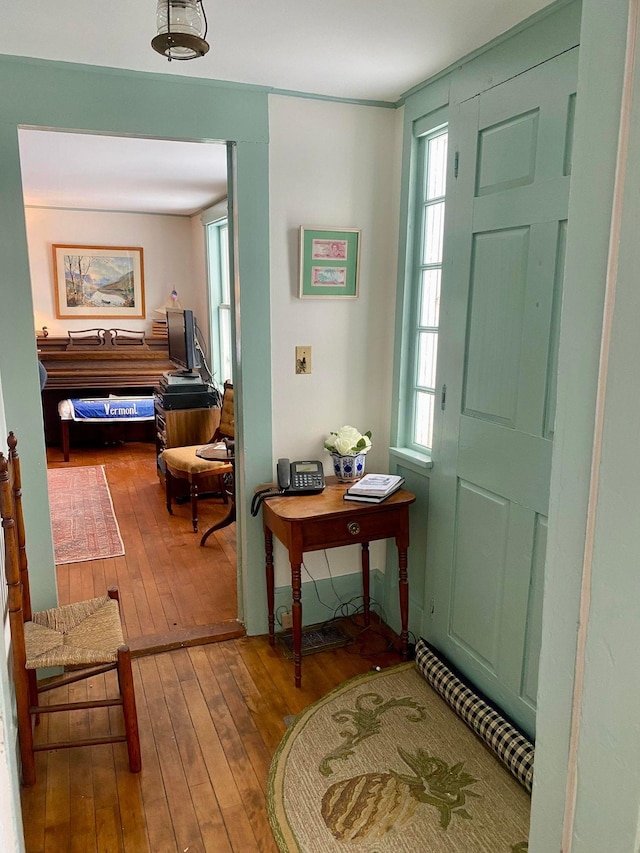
(181, 336)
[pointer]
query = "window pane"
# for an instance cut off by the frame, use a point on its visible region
(430, 298)
(224, 264)
(423, 427)
(433, 231)
(437, 166)
(225, 344)
(427, 352)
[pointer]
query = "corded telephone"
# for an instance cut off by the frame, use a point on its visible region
(305, 477)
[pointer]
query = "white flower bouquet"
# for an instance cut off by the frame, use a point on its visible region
(347, 441)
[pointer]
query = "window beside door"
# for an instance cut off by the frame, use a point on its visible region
(220, 290)
(421, 334)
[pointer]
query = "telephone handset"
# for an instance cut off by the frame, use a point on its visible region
(305, 477)
(294, 478)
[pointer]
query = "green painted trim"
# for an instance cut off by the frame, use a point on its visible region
(421, 463)
(427, 102)
(227, 84)
(215, 212)
(529, 22)
(605, 807)
(361, 102)
(86, 98)
(324, 599)
(155, 76)
(130, 103)
(21, 387)
(430, 102)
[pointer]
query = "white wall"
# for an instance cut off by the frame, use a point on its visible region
(199, 295)
(332, 164)
(168, 259)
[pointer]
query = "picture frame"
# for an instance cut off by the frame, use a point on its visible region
(98, 282)
(329, 262)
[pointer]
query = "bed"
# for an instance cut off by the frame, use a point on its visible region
(106, 411)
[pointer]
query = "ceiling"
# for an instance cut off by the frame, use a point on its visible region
(371, 50)
(87, 172)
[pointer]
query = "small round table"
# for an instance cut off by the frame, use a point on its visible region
(220, 453)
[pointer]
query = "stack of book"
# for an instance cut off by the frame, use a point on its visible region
(159, 328)
(374, 488)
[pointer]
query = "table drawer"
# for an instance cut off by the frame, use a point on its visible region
(344, 530)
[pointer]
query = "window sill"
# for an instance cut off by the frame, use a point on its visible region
(421, 463)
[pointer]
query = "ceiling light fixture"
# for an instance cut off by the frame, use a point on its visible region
(182, 27)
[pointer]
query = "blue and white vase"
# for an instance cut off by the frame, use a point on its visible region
(348, 468)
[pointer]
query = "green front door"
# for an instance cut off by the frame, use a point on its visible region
(488, 500)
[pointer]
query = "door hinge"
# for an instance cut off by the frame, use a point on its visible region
(432, 608)
(443, 398)
(456, 163)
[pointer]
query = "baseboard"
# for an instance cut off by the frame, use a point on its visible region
(328, 598)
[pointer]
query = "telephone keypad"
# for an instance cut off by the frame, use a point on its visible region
(307, 481)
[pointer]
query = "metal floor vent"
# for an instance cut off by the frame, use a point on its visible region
(315, 639)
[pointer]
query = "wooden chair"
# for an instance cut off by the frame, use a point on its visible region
(85, 639)
(182, 462)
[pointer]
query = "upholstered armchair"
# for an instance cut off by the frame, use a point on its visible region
(183, 463)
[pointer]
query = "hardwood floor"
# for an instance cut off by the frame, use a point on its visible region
(211, 716)
(168, 584)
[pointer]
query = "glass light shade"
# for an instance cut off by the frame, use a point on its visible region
(181, 29)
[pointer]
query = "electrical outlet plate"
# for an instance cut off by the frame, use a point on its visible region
(286, 620)
(303, 360)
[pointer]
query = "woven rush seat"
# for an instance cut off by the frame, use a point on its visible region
(89, 632)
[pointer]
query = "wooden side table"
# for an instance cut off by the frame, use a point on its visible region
(315, 522)
(221, 452)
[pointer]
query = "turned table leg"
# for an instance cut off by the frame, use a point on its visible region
(268, 550)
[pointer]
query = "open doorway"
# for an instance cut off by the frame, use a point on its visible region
(107, 191)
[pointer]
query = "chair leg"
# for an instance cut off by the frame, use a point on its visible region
(33, 692)
(25, 728)
(168, 488)
(193, 489)
(125, 679)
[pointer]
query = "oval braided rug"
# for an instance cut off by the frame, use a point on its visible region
(382, 764)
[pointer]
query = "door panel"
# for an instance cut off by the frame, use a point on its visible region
(524, 468)
(496, 302)
(507, 154)
(489, 491)
(478, 572)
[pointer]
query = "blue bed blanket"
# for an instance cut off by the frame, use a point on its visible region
(113, 409)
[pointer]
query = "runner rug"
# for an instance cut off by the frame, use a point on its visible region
(82, 517)
(384, 764)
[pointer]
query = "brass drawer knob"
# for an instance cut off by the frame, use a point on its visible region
(353, 527)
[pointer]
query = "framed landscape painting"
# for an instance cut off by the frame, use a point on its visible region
(98, 282)
(329, 262)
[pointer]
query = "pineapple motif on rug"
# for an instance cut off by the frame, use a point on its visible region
(383, 764)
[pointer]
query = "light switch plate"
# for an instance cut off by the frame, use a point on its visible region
(303, 359)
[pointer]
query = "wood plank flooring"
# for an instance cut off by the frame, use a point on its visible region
(168, 584)
(211, 716)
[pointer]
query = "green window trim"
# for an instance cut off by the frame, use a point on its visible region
(420, 334)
